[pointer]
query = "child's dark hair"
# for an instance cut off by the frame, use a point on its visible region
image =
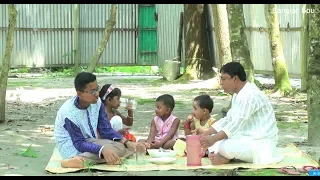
(205, 102)
(167, 100)
(113, 93)
(83, 79)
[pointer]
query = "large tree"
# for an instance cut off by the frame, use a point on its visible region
(239, 43)
(107, 32)
(313, 90)
(281, 77)
(197, 65)
(221, 27)
(12, 12)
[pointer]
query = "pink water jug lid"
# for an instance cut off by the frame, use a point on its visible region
(193, 137)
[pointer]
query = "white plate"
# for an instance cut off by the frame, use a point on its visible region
(155, 153)
(162, 160)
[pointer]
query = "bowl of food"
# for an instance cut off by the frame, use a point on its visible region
(158, 153)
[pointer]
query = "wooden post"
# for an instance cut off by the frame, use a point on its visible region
(76, 24)
(304, 48)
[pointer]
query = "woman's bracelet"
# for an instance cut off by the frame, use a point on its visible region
(129, 116)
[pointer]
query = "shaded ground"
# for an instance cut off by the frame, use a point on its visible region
(31, 113)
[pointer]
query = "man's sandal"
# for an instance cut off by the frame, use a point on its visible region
(291, 170)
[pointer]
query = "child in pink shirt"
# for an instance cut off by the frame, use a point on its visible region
(164, 126)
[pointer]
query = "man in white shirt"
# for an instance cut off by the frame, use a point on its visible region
(249, 131)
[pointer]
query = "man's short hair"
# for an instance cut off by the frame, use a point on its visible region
(234, 69)
(82, 79)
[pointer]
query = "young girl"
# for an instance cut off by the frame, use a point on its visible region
(200, 119)
(110, 97)
(164, 126)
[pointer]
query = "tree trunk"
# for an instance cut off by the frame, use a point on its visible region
(12, 12)
(304, 48)
(239, 43)
(76, 25)
(107, 32)
(313, 92)
(281, 77)
(198, 65)
(221, 26)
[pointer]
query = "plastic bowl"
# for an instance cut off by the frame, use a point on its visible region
(156, 153)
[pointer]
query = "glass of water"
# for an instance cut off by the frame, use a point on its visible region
(124, 102)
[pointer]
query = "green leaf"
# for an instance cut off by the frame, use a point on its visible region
(222, 94)
(30, 152)
(88, 164)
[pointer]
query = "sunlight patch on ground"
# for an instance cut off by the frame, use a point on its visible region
(23, 137)
(33, 145)
(12, 175)
(294, 137)
(38, 95)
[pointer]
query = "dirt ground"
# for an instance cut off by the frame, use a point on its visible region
(32, 104)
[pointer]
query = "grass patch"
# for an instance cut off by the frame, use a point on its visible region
(263, 172)
(125, 69)
(136, 80)
(142, 101)
(207, 172)
(69, 71)
(159, 82)
(20, 70)
(153, 82)
(210, 92)
(18, 83)
(291, 125)
(24, 84)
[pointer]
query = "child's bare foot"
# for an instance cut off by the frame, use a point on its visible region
(217, 159)
(148, 145)
(211, 156)
(75, 162)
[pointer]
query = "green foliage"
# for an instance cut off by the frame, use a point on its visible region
(69, 53)
(69, 71)
(20, 70)
(88, 165)
(30, 152)
(125, 69)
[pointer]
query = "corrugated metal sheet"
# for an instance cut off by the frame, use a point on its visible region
(42, 48)
(3, 15)
(260, 54)
(49, 47)
(259, 41)
(46, 48)
(289, 15)
(168, 31)
(121, 48)
(291, 48)
(3, 33)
